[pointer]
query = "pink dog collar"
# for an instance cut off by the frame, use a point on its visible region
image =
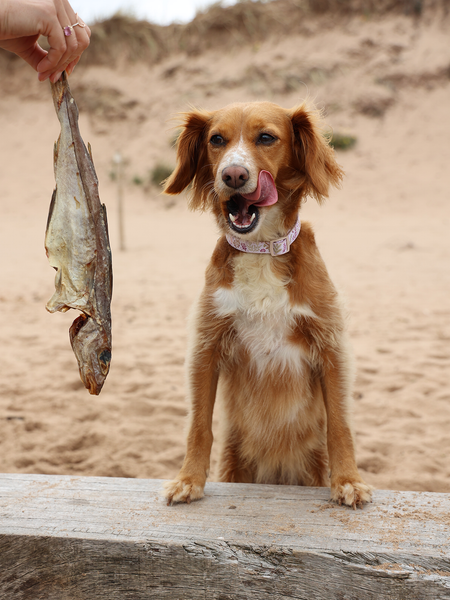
(274, 247)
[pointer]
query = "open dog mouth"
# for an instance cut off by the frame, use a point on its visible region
(243, 209)
(242, 218)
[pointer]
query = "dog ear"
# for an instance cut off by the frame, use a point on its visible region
(313, 156)
(191, 160)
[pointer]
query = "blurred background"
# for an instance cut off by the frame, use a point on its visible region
(380, 73)
(161, 13)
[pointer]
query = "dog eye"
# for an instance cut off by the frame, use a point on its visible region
(217, 140)
(266, 139)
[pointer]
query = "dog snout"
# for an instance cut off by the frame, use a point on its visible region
(235, 176)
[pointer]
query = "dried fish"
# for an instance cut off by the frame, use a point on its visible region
(77, 245)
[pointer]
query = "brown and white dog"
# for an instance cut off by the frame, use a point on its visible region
(267, 335)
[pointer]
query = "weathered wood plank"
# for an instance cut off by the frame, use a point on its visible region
(106, 539)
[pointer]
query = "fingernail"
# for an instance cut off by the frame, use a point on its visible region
(56, 77)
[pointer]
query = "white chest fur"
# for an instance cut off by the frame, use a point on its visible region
(263, 315)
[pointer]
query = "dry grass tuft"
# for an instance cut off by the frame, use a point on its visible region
(342, 141)
(124, 38)
(160, 173)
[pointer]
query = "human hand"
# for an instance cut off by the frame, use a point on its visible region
(23, 21)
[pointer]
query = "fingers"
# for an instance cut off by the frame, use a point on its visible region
(64, 49)
(53, 64)
(28, 19)
(69, 69)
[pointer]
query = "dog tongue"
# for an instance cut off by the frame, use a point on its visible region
(265, 194)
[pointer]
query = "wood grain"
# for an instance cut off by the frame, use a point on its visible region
(105, 539)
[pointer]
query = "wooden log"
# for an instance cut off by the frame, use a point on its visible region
(86, 538)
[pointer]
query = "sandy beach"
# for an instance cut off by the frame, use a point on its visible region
(384, 237)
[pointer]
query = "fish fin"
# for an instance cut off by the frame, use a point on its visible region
(105, 221)
(50, 210)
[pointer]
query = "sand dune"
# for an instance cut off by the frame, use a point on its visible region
(384, 237)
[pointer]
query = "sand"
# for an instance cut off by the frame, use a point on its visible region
(384, 236)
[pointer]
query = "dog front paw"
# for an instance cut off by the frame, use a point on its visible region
(184, 489)
(350, 492)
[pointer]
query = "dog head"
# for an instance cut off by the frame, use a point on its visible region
(253, 164)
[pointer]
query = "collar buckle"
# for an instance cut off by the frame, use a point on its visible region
(282, 249)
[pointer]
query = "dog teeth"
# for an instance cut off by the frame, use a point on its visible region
(233, 220)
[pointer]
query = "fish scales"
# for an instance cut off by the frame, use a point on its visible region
(77, 245)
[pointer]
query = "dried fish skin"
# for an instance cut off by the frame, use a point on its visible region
(70, 237)
(77, 246)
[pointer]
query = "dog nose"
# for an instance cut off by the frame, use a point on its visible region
(235, 176)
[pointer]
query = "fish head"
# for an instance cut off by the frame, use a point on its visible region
(92, 348)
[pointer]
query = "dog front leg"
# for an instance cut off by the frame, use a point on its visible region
(347, 486)
(203, 377)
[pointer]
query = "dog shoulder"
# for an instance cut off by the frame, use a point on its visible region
(307, 250)
(311, 286)
(219, 277)
(310, 279)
